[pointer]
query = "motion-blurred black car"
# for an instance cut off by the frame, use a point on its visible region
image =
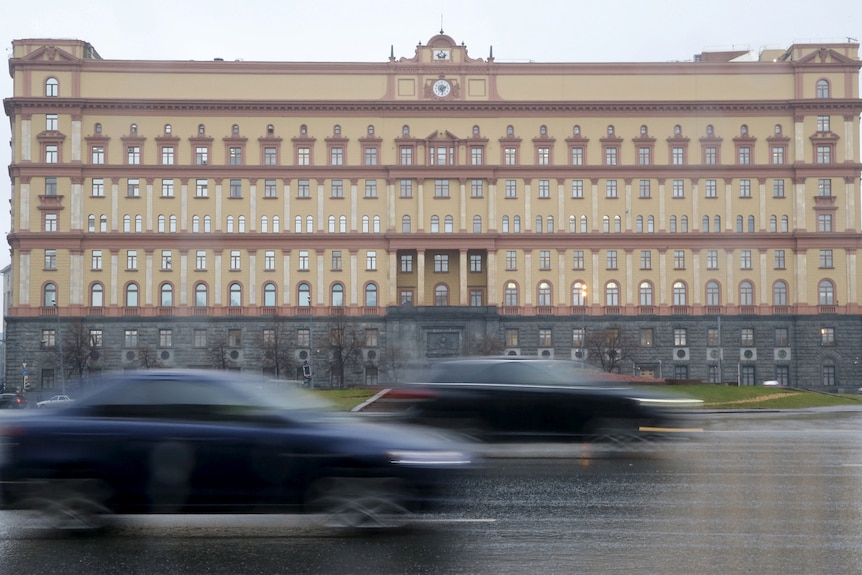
(188, 441)
(13, 401)
(526, 399)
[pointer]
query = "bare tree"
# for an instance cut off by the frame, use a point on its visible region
(609, 348)
(393, 361)
(79, 351)
(484, 345)
(147, 357)
(344, 346)
(218, 351)
(275, 343)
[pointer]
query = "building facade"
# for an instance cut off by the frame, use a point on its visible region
(708, 210)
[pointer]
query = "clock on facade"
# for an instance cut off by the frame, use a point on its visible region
(442, 88)
(441, 54)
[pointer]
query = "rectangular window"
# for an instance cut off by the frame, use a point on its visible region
(824, 222)
(201, 155)
(406, 188)
(680, 336)
(544, 260)
(96, 338)
(578, 260)
(50, 259)
(372, 337)
(98, 154)
(50, 222)
(406, 264)
(647, 337)
(826, 259)
(269, 260)
(167, 188)
(98, 189)
(52, 154)
(370, 188)
(201, 190)
(336, 156)
(370, 156)
(511, 260)
(577, 156)
(441, 263)
(477, 188)
(745, 188)
(167, 155)
(130, 338)
(644, 156)
(337, 188)
(475, 263)
(611, 259)
(51, 122)
(778, 154)
(477, 156)
(677, 156)
(405, 296)
(824, 187)
(511, 337)
(371, 260)
(200, 339)
(646, 259)
(782, 337)
(234, 338)
(544, 188)
(611, 189)
(711, 189)
(644, 189)
(270, 189)
(165, 338)
(577, 188)
(679, 259)
(476, 298)
(678, 188)
(543, 156)
(610, 156)
(132, 260)
(712, 337)
(744, 155)
(710, 155)
(133, 155)
(303, 260)
(236, 188)
(441, 188)
(823, 124)
(96, 260)
(303, 189)
(779, 259)
(303, 156)
(778, 188)
(406, 154)
(303, 338)
(270, 156)
(827, 336)
(200, 260)
(510, 156)
(336, 260)
(166, 260)
(50, 186)
(746, 337)
(133, 189)
(235, 260)
(235, 156)
(712, 259)
(745, 259)
(511, 189)
(824, 155)
(545, 337)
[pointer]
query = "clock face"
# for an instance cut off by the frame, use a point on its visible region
(442, 54)
(442, 88)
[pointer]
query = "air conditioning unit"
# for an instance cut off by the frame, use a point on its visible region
(714, 353)
(370, 355)
(579, 354)
(303, 354)
(130, 356)
(165, 356)
(513, 351)
(748, 354)
(546, 352)
(680, 354)
(782, 354)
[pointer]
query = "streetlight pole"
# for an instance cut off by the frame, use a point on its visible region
(60, 345)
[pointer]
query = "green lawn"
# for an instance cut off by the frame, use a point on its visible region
(713, 396)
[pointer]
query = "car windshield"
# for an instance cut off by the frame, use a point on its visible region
(514, 372)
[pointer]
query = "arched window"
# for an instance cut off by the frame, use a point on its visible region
(785, 224)
(365, 224)
(297, 224)
(576, 130)
(516, 224)
(234, 130)
(739, 224)
(716, 224)
(650, 224)
(475, 130)
(52, 88)
(235, 297)
(612, 294)
(435, 224)
(644, 131)
(618, 224)
(139, 223)
(371, 295)
(505, 226)
(127, 223)
(168, 129)
(510, 131)
(773, 224)
(132, 295)
(822, 89)
(544, 294)
(229, 225)
(750, 224)
(97, 295)
(97, 128)
(264, 224)
(746, 293)
(645, 294)
(826, 293)
(166, 295)
(543, 130)
(610, 130)
(207, 224)
(202, 129)
(713, 293)
(276, 225)
(573, 224)
(680, 294)
(777, 129)
(269, 294)
(375, 224)
(639, 224)
(331, 223)
(477, 224)
(133, 129)
(705, 224)
(405, 130)
(743, 130)
(405, 224)
(200, 295)
(710, 130)
(161, 224)
(103, 223)
(511, 294)
(270, 129)
(583, 224)
(336, 130)
(779, 293)
(441, 295)
(342, 224)
(303, 295)
(538, 224)
(49, 295)
(672, 224)
(579, 294)
(448, 224)
(303, 130)
(677, 130)
(241, 224)
(683, 224)
(309, 224)
(337, 295)
(91, 223)
(370, 130)
(550, 220)
(606, 224)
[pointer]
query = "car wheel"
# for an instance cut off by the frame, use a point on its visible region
(611, 430)
(359, 502)
(69, 504)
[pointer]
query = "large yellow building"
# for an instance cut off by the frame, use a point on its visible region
(707, 210)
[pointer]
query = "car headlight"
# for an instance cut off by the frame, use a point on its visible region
(428, 458)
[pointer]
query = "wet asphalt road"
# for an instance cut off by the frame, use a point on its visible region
(755, 493)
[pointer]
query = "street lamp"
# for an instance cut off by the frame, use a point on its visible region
(60, 345)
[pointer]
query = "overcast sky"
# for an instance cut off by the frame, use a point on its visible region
(352, 30)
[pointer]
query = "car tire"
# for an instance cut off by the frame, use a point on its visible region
(68, 504)
(359, 502)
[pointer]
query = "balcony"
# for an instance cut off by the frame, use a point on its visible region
(612, 310)
(680, 310)
(97, 311)
(747, 310)
(370, 310)
(165, 310)
(200, 310)
(269, 310)
(714, 309)
(236, 310)
(131, 311)
(646, 310)
(827, 308)
(545, 310)
(510, 310)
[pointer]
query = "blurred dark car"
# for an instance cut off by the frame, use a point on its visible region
(13, 401)
(188, 441)
(525, 399)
